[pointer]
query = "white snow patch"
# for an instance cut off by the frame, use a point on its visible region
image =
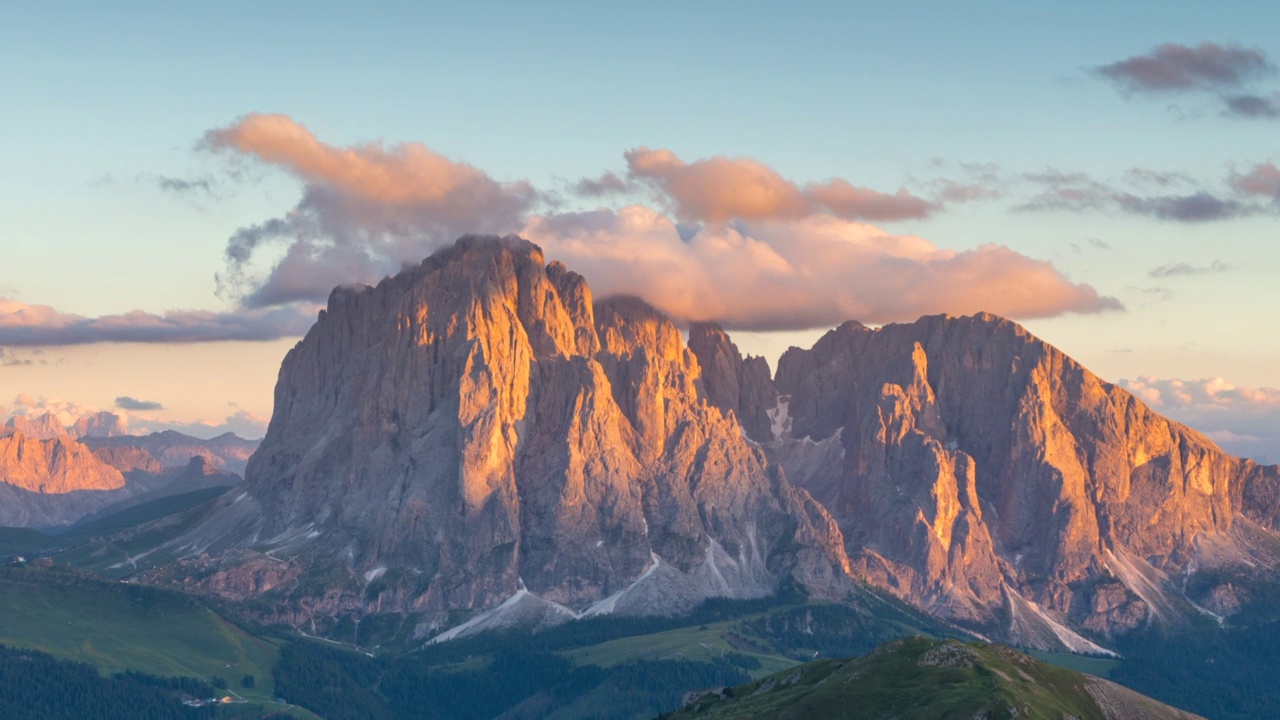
(780, 418)
(374, 574)
(599, 543)
(240, 497)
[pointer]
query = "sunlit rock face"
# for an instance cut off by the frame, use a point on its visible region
(56, 466)
(983, 475)
(479, 427)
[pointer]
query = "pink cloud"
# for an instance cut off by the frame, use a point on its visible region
(720, 189)
(805, 273)
(365, 209)
(1263, 179)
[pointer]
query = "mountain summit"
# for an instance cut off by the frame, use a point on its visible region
(478, 434)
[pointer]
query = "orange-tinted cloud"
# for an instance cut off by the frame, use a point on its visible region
(720, 189)
(364, 210)
(811, 272)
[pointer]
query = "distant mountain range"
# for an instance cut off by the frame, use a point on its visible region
(477, 443)
(51, 479)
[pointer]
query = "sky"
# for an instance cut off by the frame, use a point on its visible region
(182, 185)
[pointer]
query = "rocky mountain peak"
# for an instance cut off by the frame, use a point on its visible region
(479, 431)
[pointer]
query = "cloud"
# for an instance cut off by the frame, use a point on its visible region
(365, 209)
(1173, 67)
(8, 359)
(67, 412)
(1077, 192)
(1244, 421)
(721, 189)
(794, 274)
(1263, 179)
(731, 238)
(607, 184)
(242, 422)
(1169, 270)
(184, 186)
(1252, 106)
(124, 402)
(41, 325)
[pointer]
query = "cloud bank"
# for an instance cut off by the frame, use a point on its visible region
(41, 325)
(814, 272)
(729, 239)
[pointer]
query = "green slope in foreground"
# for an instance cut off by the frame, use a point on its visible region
(924, 678)
(117, 626)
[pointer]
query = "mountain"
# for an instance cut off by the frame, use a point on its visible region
(47, 426)
(41, 427)
(921, 678)
(57, 466)
(227, 452)
(477, 433)
(44, 483)
(479, 443)
(984, 476)
(101, 424)
(60, 481)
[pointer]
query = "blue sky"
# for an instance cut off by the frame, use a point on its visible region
(102, 103)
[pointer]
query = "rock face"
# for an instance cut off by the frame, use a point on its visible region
(46, 483)
(41, 427)
(984, 476)
(54, 467)
(477, 432)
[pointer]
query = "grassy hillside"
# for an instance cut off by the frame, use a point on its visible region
(116, 626)
(925, 678)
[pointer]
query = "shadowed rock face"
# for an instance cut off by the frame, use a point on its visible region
(478, 426)
(983, 475)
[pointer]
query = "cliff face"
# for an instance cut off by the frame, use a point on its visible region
(478, 429)
(57, 466)
(982, 475)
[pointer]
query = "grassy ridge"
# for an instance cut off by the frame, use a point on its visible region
(912, 677)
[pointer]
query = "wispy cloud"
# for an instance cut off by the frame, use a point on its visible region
(42, 325)
(606, 184)
(1217, 70)
(1179, 269)
(1079, 192)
